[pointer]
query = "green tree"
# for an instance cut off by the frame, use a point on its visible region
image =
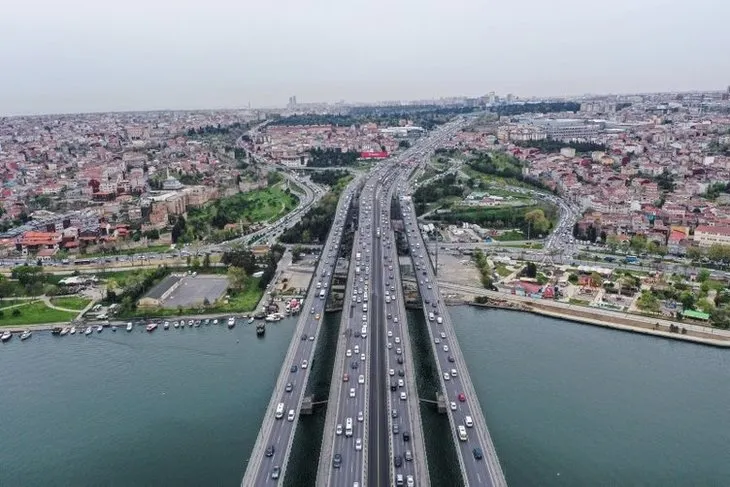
(648, 302)
(687, 298)
(694, 253)
(703, 275)
(237, 278)
(538, 222)
(638, 243)
(596, 279)
(296, 253)
(206, 261)
(613, 242)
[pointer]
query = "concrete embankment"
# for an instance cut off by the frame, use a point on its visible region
(622, 323)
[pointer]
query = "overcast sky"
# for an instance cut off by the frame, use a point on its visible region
(98, 55)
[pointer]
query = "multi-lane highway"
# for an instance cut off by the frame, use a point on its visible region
(477, 457)
(268, 461)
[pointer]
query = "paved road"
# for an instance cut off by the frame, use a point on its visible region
(463, 405)
(278, 432)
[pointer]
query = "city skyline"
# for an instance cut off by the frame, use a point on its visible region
(86, 57)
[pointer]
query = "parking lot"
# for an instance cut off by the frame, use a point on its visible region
(193, 290)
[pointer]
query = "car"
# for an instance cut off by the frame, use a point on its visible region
(348, 353)
(391, 372)
(398, 461)
(400, 359)
(337, 460)
(357, 349)
(453, 372)
(398, 351)
(316, 317)
(390, 333)
(352, 392)
(394, 413)
(450, 359)
(289, 387)
(401, 373)
(360, 416)
(403, 396)
(397, 339)
(305, 364)
(311, 338)
(409, 481)
(362, 357)
(443, 335)
(447, 376)
(354, 364)
(446, 348)
(401, 383)
(338, 429)
(361, 379)
(291, 415)
(462, 397)
(293, 368)
(304, 337)
(478, 455)
(395, 320)
(406, 436)
(345, 377)
(396, 428)
(270, 451)
(468, 421)
(437, 340)
(408, 456)
(390, 345)
(452, 405)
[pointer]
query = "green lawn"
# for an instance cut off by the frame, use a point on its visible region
(33, 313)
(269, 204)
(502, 270)
(71, 302)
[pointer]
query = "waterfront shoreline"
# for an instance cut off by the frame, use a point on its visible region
(596, 320)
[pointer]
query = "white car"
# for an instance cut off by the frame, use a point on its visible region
(360, 416)
(437, 340)
(348, 353)
(362, 357)
(305, 364)
(395, 320)
(447, 376)
(358, 444)
(361, 379)
(443, 335)
(446, 348)
(397, 339)
(352, 392)
(390, 333)
(403, 396)
(290, 416)
(338, 430)
(391, 372)
(357, 348)
(453, 406)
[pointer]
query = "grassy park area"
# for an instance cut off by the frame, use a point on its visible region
(71, 302)
(32, 313)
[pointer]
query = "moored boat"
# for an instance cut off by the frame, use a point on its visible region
(250, 320)
(260, 328)
(231, 322)
(166, 325)
(56, 330)
(176, 324)
(26, 334)
(114, 327)
(6, 336)
(274, 317)
(88, 331)
(65, 331)
(151, 327)
(73, 330)
(99, 328)
(130, 326)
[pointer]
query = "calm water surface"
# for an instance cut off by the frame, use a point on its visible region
(567, 404)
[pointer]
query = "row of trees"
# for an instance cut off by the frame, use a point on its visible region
(329, 177)
(136, 285)
(484, 268)
(504, 166)
(331, 157)
(315, 225)
(498, 217)
(552, 145)
(443, 187)
(541, 107)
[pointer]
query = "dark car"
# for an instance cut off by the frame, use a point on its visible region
(293, 368)
(406, 436)
(289, 387)
(270, 451)
(354, 364)
(400, 359)
(450, 359)
(304, 337)
(478, 453)
(398, 461)
(337, 460)
(393, 386)
(401, 373)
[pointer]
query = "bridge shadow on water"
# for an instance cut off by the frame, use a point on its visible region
(302, 468)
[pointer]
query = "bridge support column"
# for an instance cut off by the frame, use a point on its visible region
(440, 403)
(307, 407)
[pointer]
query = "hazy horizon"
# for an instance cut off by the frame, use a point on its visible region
(83, 56)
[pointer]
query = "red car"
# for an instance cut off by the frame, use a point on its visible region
(462, 397)
(345, 378)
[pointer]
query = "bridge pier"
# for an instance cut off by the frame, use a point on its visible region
(307, 406)
(440, 403)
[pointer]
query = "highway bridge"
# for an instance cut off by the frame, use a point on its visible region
(270, 455)
(478, 459)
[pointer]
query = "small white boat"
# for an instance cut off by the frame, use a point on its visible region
(130, 326)
(250, 320)
(166, 326)
(176, 324)
(88, 331)
(231, 322)
(65, 331)
(73, 330)
(215, 322)
(6, 336)
(151, 327)
(274, 317)
(190, 323)
(99, 328)
(26, 334)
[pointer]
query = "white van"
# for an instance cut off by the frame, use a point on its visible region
(430, 316)
(462, 433)
(279, 411)
(365, 307)
(439, 320)
(468, 421)
(348, 427)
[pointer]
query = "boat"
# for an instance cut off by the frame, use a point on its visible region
(250, 320)
(274, 317)
(176, 324)
(215, 322)
(231, 322)
(197, 323)
(166, 325)
(26, 334)
(65, 331)
(56, 330)
(114, 327)
(206, 321)
(99, 328)
(151, 327)
(190, 323)
(73, 330)
(130, 326)
(6, 336)
(88, 331)
(260, 329)
(260, 316)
